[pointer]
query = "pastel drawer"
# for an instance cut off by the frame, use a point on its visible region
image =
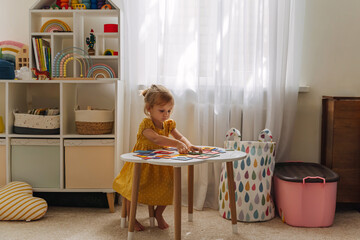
(89, 164)
(36, 161)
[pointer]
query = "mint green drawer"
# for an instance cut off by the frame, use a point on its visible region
(36, 161)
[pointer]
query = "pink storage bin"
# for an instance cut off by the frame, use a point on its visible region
(305, 194)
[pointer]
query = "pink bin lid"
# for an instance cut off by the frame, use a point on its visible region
(309, 172)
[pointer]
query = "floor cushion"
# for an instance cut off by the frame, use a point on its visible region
(17, 203)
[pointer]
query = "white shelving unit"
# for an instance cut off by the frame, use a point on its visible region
(66, 94)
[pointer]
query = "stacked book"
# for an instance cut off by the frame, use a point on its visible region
(42, 53)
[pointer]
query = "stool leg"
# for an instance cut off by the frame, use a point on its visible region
(123, 213)
(134, 198)
(152, 215)
(231, 184)
(190, 192)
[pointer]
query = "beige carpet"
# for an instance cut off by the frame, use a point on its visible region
(97, 223)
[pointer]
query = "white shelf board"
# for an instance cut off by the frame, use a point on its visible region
(51, 13)
(88, 136)
(40, 34)
(32, 136)
(102, 80)
(108, 34)
(104, 57)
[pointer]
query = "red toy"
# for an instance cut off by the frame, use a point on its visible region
(41, 75)
(110, 28)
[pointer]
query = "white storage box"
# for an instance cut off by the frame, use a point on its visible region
(36, 124)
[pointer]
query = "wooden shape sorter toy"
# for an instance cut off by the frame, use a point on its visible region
(171, 153)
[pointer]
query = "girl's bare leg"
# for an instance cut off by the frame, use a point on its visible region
(159, 217)
(137, 225)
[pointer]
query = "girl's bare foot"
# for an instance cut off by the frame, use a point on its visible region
(138, 226)
(162, 224)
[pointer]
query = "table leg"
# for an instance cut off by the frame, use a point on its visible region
(134, 198)
(177, 202)
(190, 192)
(231, 184)
(123, 213)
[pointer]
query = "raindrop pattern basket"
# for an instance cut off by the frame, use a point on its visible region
(253, 178)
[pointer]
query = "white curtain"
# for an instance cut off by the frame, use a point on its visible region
(228, 63)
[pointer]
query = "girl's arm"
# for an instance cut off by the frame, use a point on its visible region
(177, 135)
(165, 141)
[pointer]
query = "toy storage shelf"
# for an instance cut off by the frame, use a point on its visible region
(40, 159)
(80, 22)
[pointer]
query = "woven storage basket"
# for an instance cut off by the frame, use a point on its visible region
(94, 122)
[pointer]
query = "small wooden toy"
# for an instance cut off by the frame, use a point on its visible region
(41, 75)
(55, 25)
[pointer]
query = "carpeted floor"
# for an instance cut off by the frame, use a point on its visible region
(73, 223)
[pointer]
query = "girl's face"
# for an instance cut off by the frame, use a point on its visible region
(160, 113)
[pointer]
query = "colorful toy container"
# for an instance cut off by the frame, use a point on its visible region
(305, 194)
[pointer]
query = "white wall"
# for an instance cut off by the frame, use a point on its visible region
(330, 66)
(14, 19)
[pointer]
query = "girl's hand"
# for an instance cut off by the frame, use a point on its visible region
(193, 148)
(182, 148)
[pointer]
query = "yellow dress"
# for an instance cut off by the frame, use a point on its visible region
(156, 182)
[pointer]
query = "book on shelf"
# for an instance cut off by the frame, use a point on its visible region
(42, 53)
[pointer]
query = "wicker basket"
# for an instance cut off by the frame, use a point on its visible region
(94, 122)
(94, 128)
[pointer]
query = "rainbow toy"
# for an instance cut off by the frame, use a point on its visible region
(101, 71)
(9, 49)
(55, 25)
(63, 57)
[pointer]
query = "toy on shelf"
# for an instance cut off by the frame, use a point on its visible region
(106, 6)
(54, 7)
(41, 75)
(63, 57)
(109, 52)
(79, 6)
(55, 25)
(88, 71)
(101, 71)
(110, 27)
(90, 41)
(73, 3)
(93, 4)
(64, 4)
(86, 3)
(100, 3)
(15, 52)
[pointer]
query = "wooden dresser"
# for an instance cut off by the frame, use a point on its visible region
(340, 144)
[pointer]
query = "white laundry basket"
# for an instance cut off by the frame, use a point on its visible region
(253, 177)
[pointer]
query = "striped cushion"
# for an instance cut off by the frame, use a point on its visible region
(18, 203)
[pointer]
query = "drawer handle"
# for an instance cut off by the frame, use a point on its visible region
(316, 177)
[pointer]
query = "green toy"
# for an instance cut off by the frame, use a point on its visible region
(90, 41)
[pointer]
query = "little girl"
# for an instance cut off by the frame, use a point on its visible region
(156, 182)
